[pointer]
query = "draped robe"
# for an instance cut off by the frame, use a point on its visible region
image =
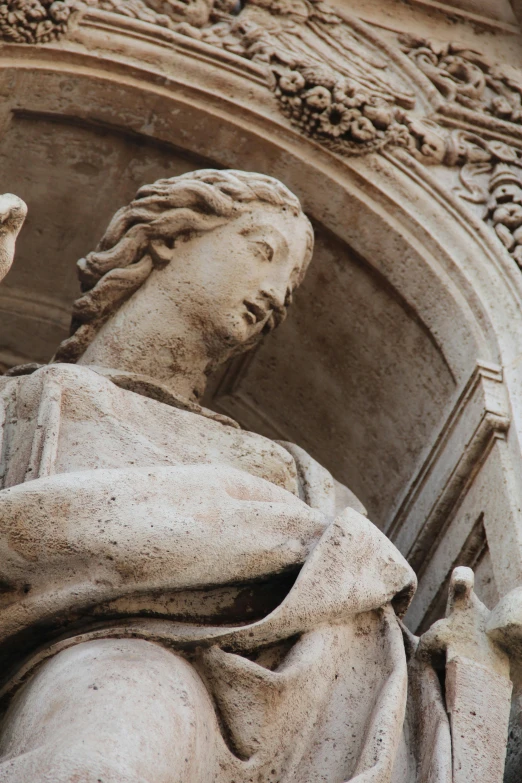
(124, 515)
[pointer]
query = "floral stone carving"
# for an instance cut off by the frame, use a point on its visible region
(184, 17)
(504, 208)
(329, 80)
(332, 81)
(35, 21)
(490, 173)
(40, 21)
(340, 114)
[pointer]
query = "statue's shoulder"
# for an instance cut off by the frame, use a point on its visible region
(28, 388)
(318, 487)
(37, 373)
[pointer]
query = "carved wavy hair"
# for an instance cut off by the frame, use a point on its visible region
(131, 246)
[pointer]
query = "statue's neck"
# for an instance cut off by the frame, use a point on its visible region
(180, 363)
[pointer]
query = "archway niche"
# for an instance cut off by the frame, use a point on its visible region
(375, 370)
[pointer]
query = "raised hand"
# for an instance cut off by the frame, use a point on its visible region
(12, 214)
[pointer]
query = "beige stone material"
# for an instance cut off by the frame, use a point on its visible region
(409, 287)
(399, 127)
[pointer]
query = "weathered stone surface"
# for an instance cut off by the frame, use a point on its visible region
(140, 533)
(398, 126)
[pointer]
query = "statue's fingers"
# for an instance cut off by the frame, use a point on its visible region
(12, 210)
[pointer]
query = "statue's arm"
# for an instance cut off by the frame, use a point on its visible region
(176, 527)
(12, 214)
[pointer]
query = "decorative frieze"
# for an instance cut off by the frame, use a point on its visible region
(343, 87)
(330, 81)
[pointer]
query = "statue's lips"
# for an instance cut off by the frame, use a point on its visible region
(255, 313)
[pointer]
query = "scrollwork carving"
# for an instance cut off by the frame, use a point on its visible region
(467, 77)
(490, 174)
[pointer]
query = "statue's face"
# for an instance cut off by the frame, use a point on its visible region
(214, 294)
(233, 283)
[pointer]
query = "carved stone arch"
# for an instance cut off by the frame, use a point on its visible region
(414, 402)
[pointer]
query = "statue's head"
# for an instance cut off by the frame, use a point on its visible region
(222, 250)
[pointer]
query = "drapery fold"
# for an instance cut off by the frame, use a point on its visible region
(318, 689)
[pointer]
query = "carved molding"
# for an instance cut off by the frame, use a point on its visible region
(444, 518)
(470, 555)
(331, 78)
(330, 81)
(492, 14)
(480, 415)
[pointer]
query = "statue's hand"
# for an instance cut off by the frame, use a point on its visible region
(12, 214)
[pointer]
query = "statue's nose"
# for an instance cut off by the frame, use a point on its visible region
(275, 298)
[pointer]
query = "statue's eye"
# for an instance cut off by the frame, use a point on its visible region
(264, 249)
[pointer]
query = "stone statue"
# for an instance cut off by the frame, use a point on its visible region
(183, 601)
